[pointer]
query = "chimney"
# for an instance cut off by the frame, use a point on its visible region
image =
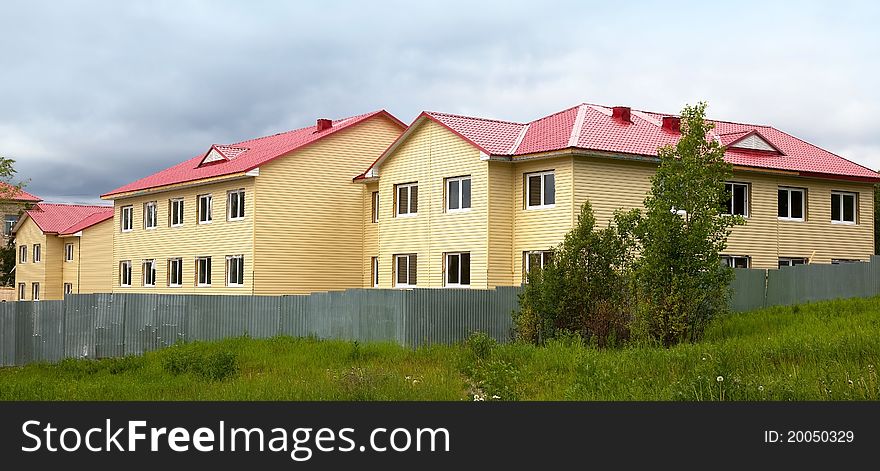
(621, 113)
(324, 124)
(672, 124)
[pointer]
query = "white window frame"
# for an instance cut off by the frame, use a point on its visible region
(730, 260)
(855, 197)
(210, 209)
(22, 291)
(35, 291)
(460, 180)
(409, 200)
(239, 193)
(125, 269)
(790, 189)
(229, 261)
(788, 261)
(733, 186)
(528, 188)
(374, 207)
(407, 284)
(126, 218)
(68, 252)
(22, 253)
(446, 272)
(527, 264)
(209, 267)
(68, 288)
(148, 267)
(9, 222)
(171, 281)
(374, 272)
(151, 215)
(175, 208)
(38, 253)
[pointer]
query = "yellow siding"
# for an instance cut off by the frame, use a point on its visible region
(29, 234)
(541, 229)
(217, 240)
(611, 184)
(70, 271)
(93, 258)
(371, 232)
(429, 156)
(310, 234)
(502, 263)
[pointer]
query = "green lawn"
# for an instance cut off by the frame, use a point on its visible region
(822, 351)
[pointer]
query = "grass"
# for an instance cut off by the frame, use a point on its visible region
(822, 351)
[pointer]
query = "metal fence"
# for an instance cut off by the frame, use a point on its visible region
(110, 325)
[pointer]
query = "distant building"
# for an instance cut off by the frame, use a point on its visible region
(63, 249)
(12, 202)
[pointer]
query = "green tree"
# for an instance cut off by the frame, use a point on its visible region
(585, 289)
(7, 191)
(681, 280)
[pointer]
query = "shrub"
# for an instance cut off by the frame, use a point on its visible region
(214, 366)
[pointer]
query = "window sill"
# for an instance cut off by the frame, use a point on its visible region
(175, 286)
(405, 286)
(543, 206)
(202, 223)
(453, 286)
(791, 219)
(408, 215)
(235, 219)
(231, 285)
(463, 210)
(843, 223)
(126, 230)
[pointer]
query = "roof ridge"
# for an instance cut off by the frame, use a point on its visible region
(476, 117)
(556, 113)
(578, 126)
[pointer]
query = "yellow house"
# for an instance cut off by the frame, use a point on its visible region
(63, 249)
(467, 202)
(267, 216)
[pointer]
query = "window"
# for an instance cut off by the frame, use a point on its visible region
(203, 271)
(235, 205)
(791, 204)
(841, 261)
(175, 212)
(407, 199)
(843, 207)
(125, 273)
(150, 215)
(38, 253)
(737, 203)
(540, 190)
(68, 288)
(35, 291)
(68, 252)
(235, 270)
(458, 270)
(175, 272)
(405, 270)
(736, 261)
(205, 203)
(22, 254)
(10, 221)
(127, 218)
(791, 261)
(458, 194)
(375, 206)
(21, 288)
(149, 273)
(374, 272)
(536, 259)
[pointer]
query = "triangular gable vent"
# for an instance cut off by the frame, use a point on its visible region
(754, 142)
(222, 153)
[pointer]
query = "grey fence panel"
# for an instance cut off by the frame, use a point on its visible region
(170, 319)
(292, 315)
(7, 333)
(48, 331)
(263, 316)
(380, 315)
(79, 326)
(747, 289)
(109, 326)
(449, 316)
(215, 317)
(24, 325)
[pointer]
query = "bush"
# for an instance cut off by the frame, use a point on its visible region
(214, 366)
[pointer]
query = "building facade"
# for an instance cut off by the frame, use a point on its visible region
(274, 215)
(469, 202)
(63, 249)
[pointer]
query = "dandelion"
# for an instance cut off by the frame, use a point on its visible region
(408, 378)
(719, 379)
(704, 358)
(761, 388)
(415, 382)
(850, 382)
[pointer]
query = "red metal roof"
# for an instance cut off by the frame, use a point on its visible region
(16, 194)
(244, 156)
(65, 219)
(591, 127)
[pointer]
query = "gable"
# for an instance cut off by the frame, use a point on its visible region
(429, 140)
(213, 156)
(753, 141)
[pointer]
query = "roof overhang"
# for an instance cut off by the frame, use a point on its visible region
(204, 181)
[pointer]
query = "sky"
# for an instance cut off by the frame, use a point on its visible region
(94, 95)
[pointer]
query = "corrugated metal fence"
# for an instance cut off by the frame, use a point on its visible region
(109, 325)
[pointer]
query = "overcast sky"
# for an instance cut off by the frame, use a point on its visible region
(97, 94)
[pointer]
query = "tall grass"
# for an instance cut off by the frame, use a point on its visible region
(822, 351)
